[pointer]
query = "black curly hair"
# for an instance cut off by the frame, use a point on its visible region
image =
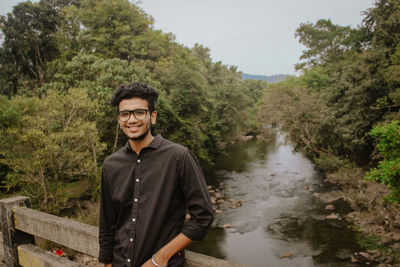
(135, 89)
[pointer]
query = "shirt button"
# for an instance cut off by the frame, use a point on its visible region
(133, 220)
(136, 199)
(137, 180)
(128, 260)
(131, 239)
(138, 160)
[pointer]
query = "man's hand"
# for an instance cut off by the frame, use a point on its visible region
(108, 265)
(162, 256)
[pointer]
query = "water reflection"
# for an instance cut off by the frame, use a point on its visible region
(280, 223)
(330, 241)
(237, 159)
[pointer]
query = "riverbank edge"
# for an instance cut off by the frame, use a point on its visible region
(377, 220)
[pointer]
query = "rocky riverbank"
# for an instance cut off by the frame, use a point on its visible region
(346, 195)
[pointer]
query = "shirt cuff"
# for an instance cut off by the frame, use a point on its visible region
(105, 256)
(194, 233)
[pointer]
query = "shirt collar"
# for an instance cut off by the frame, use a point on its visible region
(156, 143)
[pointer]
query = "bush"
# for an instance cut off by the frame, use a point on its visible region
(328, 163)
(388, 170)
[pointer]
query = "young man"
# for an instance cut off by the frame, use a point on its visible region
(146, 188)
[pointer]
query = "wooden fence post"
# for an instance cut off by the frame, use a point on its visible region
(12, 238)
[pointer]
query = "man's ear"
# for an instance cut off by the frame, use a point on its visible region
(153, 117)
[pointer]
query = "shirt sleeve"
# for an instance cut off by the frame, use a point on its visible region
(106, 223)
(197, 198)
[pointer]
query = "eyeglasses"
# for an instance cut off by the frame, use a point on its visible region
(139, 114)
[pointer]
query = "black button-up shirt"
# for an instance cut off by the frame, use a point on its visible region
(144, 200)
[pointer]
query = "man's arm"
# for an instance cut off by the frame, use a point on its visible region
(170, 249)
(197, 198)
(106, 220)
(198, 201)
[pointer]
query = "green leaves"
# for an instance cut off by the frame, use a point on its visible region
(382, 23)
(327, 42)
(53, 141)
(388, 170)
(114, 28)
(29, 42)
(389, 139)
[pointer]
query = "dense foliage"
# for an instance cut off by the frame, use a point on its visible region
(59, 64)
(388, 170)
(51, 146)
(350, 83)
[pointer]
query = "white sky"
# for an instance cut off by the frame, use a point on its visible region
(255, 35)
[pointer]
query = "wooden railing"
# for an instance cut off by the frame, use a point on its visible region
(20, 224)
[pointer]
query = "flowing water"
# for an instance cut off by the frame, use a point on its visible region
(280, 222)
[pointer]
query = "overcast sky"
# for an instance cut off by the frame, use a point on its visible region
(255, 35)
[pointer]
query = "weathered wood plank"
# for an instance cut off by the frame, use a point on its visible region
(72, 234)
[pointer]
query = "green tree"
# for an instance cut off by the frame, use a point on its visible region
(382, 24)
(327, 42)
(51, 146)
(119, 29)
(29, 44)
(185, 88)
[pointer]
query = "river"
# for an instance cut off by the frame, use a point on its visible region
(279, 222)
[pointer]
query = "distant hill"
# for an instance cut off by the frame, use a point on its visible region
(270, 79)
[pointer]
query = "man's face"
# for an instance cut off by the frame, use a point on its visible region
(136, 129)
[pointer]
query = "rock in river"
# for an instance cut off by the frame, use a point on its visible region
(332, 217)
(329, 207)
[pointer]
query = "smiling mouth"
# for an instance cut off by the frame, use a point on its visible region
(133, 127)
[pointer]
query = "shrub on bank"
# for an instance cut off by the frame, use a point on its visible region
(388, 169)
